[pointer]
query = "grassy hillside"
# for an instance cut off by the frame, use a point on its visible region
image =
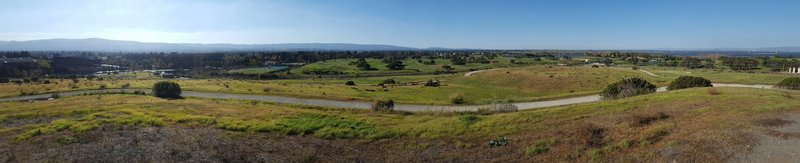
(708, 124)
(412, 65)
(498, 85)
(502, 85)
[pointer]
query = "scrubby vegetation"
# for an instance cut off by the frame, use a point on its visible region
(457, 98)
(383, 106)
(689, 82)
(792, 83)
(627, 88)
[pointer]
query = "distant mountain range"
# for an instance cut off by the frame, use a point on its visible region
(96, 44)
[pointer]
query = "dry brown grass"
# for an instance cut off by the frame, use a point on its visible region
(643, 119)
(773, 122)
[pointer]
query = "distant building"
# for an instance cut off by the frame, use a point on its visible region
(794, 70)
(166, 73)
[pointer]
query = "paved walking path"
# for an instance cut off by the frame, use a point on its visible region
(352, 104)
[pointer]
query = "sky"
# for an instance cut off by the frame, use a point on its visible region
(488, 24)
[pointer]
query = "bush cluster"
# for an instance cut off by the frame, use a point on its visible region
(432, 83)
(167, 89)
(792, 83)
(628, 87)
(689, 82)
(389, 81)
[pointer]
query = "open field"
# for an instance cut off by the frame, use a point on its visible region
(692, 124)
(502, 85)
(493, 86)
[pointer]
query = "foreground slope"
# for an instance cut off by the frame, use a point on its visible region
(704, 124)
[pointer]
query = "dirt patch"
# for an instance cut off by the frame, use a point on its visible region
(773, 122)
(639, 120)
(776, 140)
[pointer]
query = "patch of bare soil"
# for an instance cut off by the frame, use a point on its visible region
(777, 140)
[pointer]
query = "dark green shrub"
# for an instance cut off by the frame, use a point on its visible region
(350, 83)
(432, 83)
(792, 83)
(628, 87)
(382, 106)
(447, 67)
(167, 89)
(689, 82)
(4, 80)
(389, 81)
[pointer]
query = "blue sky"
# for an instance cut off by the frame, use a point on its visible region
(494, 24)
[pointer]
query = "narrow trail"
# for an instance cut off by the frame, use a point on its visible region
(352, 104)
(477, 71)
(649, 73)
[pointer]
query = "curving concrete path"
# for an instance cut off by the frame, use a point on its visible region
(353, 104)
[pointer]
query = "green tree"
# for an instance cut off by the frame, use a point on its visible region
(395, 65)
(362, 64)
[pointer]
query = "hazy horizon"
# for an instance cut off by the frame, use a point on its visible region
(419, 24)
